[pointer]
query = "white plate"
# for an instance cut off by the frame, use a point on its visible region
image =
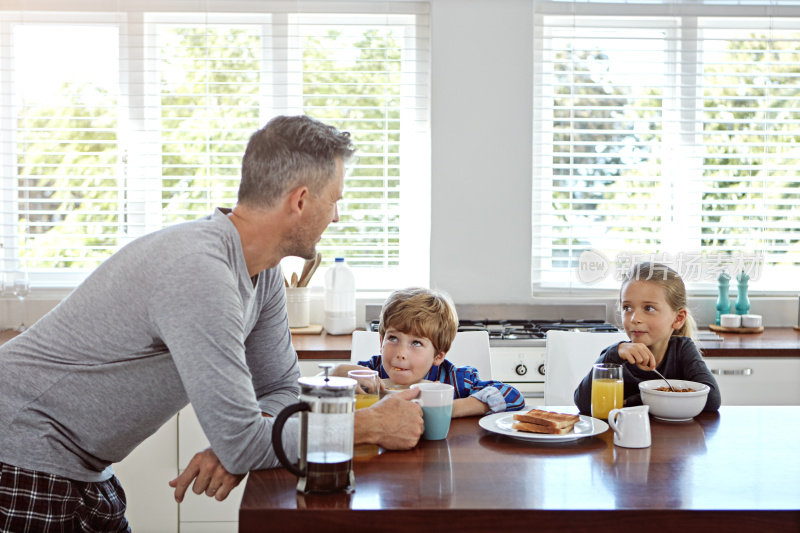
(501, 423)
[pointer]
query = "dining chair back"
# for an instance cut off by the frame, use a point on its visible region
(568, 358)
(469, 348)
(365, 344)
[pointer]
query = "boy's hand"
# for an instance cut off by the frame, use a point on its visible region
(469, 407)
(637, 354)
(342, 369)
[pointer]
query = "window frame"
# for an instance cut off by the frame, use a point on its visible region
(686, 16)
(140, 141)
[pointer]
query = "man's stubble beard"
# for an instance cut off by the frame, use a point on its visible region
(300, 245)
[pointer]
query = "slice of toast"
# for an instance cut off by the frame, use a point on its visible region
(547, 418)
(536, 428)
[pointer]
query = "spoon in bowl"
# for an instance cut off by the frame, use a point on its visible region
(665, 379)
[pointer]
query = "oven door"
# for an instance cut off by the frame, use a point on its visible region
(521, 367)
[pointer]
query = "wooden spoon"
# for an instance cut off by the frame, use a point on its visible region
(303, 281)
(294, 279)
(314, 264)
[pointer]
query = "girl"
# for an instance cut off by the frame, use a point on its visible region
(660, 328)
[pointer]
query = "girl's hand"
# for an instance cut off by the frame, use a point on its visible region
(637, 354)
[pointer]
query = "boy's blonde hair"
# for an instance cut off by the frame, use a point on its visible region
(674, 290)
(423, 313)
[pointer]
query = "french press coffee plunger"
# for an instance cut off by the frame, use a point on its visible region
(325, 448)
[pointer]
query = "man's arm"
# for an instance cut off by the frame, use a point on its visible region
(394, 423)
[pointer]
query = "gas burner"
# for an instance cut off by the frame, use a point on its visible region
(511, 329)
(523, 329)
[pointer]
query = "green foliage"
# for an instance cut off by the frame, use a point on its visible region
(750, 110)
(67, 165)
(210, 83)
(362, 96)
(73, 165)
(604, 131)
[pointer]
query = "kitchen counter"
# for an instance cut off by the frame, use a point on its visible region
(322, 346)
(731, 471)
(774, 342)
(7, 334)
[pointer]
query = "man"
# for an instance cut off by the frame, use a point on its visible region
(191, 313)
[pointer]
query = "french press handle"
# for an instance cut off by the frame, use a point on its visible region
(277, 436)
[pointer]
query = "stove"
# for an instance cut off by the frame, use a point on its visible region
(529, 329)
(518, 344)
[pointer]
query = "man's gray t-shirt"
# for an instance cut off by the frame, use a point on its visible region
(171, 318)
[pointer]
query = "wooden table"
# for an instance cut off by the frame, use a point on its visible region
(738, 470)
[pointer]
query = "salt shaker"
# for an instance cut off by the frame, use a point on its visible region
(723, 301)
(742, 302)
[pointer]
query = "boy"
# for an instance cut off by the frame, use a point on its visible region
(416, 329)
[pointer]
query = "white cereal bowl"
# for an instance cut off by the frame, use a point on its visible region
(674, 406)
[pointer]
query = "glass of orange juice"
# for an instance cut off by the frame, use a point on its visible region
(369, 387)
(607, 389)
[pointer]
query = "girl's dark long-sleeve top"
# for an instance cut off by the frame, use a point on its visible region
(682, 360)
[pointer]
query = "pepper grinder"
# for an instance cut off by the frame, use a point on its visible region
(742, 302)
(724, 301)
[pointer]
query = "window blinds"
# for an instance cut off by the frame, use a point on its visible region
(115, 123)
(668, 135)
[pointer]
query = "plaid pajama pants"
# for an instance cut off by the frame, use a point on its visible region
(37, 502)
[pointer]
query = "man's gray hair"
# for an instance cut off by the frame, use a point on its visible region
(289, 152)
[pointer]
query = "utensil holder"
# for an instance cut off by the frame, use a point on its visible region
(298, 306)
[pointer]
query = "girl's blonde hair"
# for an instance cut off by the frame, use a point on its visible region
(423, 313)
(674, 290)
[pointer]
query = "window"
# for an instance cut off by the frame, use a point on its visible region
(666, 132)
(137, 120)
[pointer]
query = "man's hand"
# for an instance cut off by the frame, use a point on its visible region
(209, 476)
(638, 354)
(395, 422)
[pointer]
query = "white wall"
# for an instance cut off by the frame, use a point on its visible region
(482, 92)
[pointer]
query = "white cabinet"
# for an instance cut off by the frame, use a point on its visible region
(144, 475)
(757, 380)
(200, 513)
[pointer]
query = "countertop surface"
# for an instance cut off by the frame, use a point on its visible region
(735, 470)
(773, 342)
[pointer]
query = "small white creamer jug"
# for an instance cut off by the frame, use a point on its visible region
(631, 426)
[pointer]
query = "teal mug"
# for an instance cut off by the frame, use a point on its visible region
(436, 400)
